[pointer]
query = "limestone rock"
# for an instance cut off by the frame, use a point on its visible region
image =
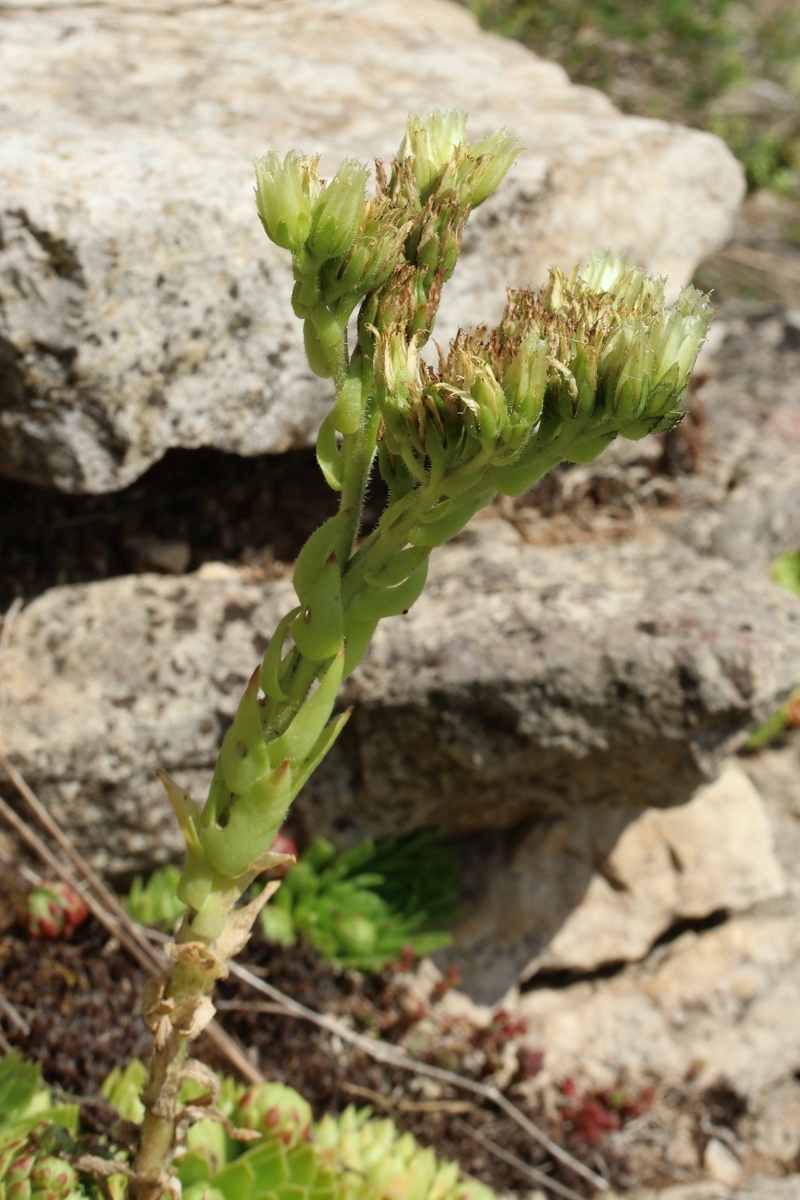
(760, 1187)
(775, 1126)
(723, 1000)
(601, 885)
(530, 680)
(721, 1164)
(120, 678)
(748, 441)
(775, 771)
(142, 306)
(571, 676)
(765, 1188)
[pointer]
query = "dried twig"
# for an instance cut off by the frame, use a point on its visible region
(105, 906)
(408, 1106)
(541, 1178)
(145, 958)
(137, 940)
(13, 1015)
(394, 1056)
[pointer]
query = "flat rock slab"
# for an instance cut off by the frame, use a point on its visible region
(761, 1187)
(724, 1000)
(597, 888)
(141, 306)
(524, 683)
(532, 680)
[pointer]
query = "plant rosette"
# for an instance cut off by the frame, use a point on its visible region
(51, 911)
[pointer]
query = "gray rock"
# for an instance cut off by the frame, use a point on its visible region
(774, 1131)
(531, 680)
(760, 1187)
(749, 441)
(524, 682)
(600, 886)
(721, 1002)
(104, 683)
(142, 307)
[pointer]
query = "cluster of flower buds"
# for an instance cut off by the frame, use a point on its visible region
(342, 244)
(437, 179)
(396, 249)
(51, 910)
(591, 357)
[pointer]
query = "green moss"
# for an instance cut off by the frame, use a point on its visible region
(676, 60)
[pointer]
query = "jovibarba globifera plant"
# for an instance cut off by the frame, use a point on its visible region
(367, 906)
(595, 355)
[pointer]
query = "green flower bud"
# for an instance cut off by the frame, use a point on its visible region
(431, 144)
(395, 362)
(579, 398)
(371, 258)
(492, 159)
(481, 408)
(338, 212)
(525, 380)
(647, 363)
(624, 365)
(680, 336)
(626, 284)
(285, 193)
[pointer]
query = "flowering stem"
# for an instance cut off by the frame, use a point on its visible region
(567, 370)
(157, 1137)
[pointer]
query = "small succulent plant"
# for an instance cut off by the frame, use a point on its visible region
(374, 1161)
(347, 1157)
(367, 906)
(277, 1111)
(30, 1173)
(154, 901)
(591, 1116)
(51, 910)
(34, 1133)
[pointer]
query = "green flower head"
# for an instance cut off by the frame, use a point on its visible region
(338, 212)
(285, 194)
(442, 159)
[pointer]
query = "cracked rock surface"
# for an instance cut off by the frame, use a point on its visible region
(587, 675)
(141, 306)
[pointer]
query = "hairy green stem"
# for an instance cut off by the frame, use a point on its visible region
(160, 1099)
(187, 984)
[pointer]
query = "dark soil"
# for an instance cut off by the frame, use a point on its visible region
(74, 1009)
(200, 504)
